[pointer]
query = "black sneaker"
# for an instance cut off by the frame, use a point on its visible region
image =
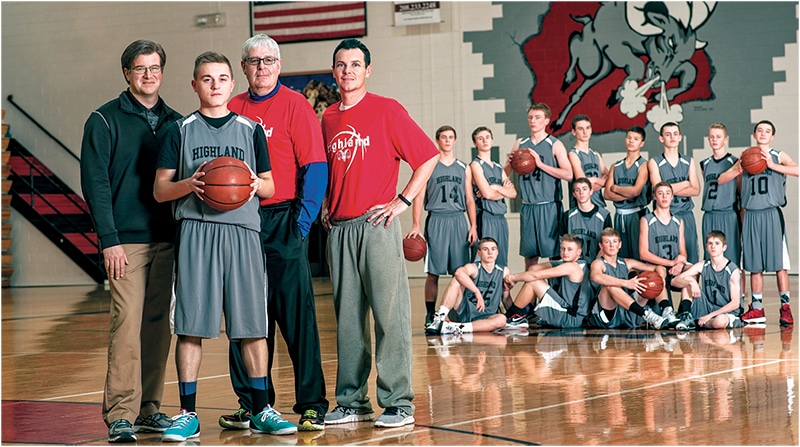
(121, 431)
(429, 318)
(311, 421)
(517, 321)
(240, 420)
(686, 322)
(435, 327)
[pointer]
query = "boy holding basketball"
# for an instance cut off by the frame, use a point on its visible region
(620, 303)
(661, 243)
(764, 245)
(541, 189)
(474, 293)
(447, 195)
(717, 304)
(559, 289)
(220, 263)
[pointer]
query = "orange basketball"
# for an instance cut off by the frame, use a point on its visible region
(522, 162)
(653, 284)
(753, 161)
(227, 183)
(414, 248)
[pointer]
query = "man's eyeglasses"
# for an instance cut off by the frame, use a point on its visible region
(254, 61)
(139, 70)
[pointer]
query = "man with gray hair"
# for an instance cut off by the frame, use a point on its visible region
(118, 165)
(300, 172)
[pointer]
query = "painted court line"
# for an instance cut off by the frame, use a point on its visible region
(174, 382)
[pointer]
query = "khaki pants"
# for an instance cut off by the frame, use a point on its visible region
(139, 333)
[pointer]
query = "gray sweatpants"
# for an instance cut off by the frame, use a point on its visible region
(368, 271)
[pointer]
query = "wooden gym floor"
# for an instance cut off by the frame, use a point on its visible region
(552, 387)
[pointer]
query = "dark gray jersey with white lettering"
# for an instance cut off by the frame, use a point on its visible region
(494, 176)
(446, 192)
(539, 186)
(676, 174)
(765, 190)
(663, 240)
(718, 197)
(626, 176)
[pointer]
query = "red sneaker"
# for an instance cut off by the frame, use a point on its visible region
(755, 315)
(786, 315)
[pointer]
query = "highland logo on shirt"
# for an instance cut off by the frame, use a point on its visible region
(217, 151)
(346, 144)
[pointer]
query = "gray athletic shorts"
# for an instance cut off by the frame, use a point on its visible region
(690, 236)
(219, 267)
(628, 228)
(701, 306)
(466, 312)
(764, 247)
(728, 223)
(448, 248)
(494, 226)
(538, 227)
(622, 318)
(553, 311)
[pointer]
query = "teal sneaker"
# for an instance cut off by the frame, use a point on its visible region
(184, 426)
(268, 421)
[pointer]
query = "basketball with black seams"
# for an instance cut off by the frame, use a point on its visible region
(653, 284)
(753, 161)
(414, 248)
(227, 183)
(522, 162)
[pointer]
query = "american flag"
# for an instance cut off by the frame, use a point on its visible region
(303, 21)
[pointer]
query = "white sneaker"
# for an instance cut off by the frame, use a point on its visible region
(654, 319)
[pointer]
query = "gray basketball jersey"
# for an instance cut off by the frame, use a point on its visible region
(765, 190)
(538, 186)
(490, 285)
(718, 197)
(663, 240)
(675, 174)
(577, 294)
(588, 227)
(590, 163)
(445, 192)
(618, 270)
(494, 175)
(715, 284)
(201, 142)
(625, 176)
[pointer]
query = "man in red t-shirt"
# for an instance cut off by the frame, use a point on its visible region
(366, 136)
(300, 173)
